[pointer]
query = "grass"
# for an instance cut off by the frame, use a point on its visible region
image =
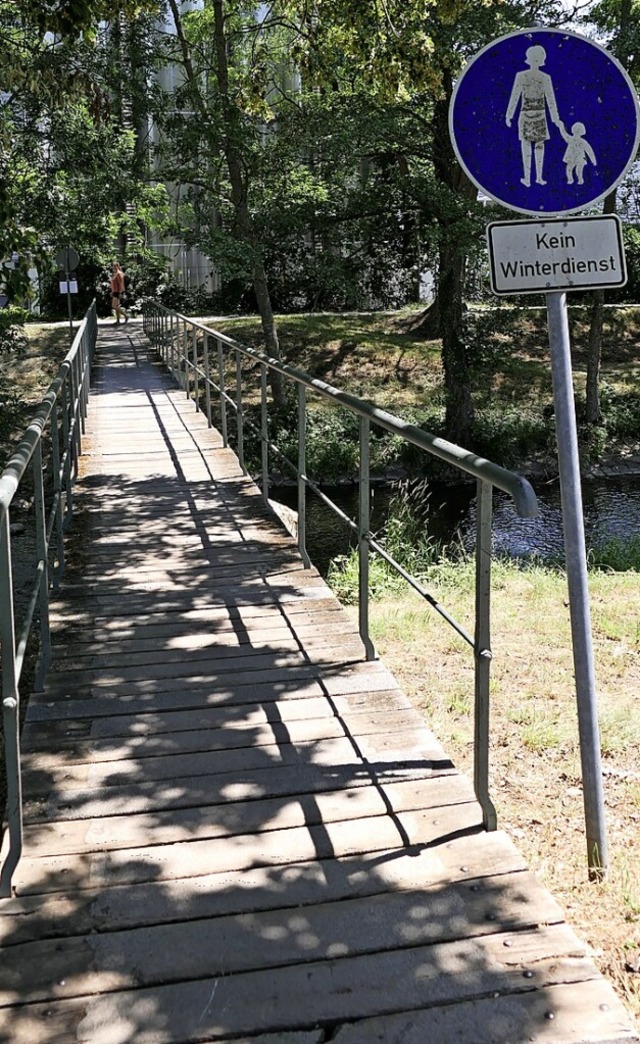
(535, 757)
(25, 377)
(378, 356)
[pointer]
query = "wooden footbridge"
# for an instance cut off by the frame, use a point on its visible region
(237, 827)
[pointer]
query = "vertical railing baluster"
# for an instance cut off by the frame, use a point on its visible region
(363, 540)
(57, 491)
(67, 448)
(207, 376)
(223, 394)
(264, 434)
(195, 368)
(42, 552)
(185, 358)
(239, 412)
(77, 402)
(79, 405)
(302, 476)
(482, 652)
(10, 711)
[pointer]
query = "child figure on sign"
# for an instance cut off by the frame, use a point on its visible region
(577, 152)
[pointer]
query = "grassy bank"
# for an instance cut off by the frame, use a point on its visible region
(383, 357)
(535, 764)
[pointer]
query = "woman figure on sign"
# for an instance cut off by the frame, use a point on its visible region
(116, 284)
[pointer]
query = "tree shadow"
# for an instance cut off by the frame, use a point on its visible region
(238, 829)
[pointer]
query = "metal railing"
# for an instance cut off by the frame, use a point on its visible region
(51, 444)
(195, 355)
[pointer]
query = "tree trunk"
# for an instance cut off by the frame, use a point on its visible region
(231, 134)
(593, 413)
(459, 411)
(239, 196)
(621, 48)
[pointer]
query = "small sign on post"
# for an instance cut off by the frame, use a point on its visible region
(67, 261)
(530, 257)
(547, 123)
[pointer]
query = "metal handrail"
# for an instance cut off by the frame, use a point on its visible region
(62, 415)
(175, 336)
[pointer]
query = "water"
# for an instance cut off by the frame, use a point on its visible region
(611, 509)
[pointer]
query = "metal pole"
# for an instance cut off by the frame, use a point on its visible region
(223, 401)
(69, 309)
(239, 413)
(482, 653)
(10, 711)
(576, 561)
(42, 546)
(302, 476)
(264, 434)
(207, 377)
(363, 541)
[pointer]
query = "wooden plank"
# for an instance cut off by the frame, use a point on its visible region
(188, 791)
(289, 886)
(373, 749)
(304, 996)
(198, 858)
(169, 825)
(579, 1011)
(44, 750)
(336, 678)
(62, 734)
(151, 955)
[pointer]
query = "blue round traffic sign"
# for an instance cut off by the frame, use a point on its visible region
(545, 121)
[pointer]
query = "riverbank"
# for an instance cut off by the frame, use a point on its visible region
(383, 358)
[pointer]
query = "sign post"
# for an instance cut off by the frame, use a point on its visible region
(67, 260)
(547, 123)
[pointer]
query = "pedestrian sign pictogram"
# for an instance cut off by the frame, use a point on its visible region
(545, 121)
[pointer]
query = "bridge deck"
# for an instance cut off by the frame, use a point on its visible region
(237, 829)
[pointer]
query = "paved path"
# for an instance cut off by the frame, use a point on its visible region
(237, 829)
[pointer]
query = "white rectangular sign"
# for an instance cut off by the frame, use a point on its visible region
(532, 257)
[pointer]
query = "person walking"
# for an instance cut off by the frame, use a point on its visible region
(116, 284)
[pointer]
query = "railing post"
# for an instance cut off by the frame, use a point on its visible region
(75, 409)
(264, 434)
(185, 358)
(10, 711)
(363, 540)
(67, 449)
(302, 476)
(195, 368)
(207, 377)
(42, 551)
(482, 652)
(77, 363)
(57, 491)
(223, 393)
(239, 412)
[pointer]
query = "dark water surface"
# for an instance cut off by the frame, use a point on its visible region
(611, 509)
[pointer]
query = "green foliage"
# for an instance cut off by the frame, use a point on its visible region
(631, 291)
(619, 555)
(12, 335)
(405, 538)
(11, 409)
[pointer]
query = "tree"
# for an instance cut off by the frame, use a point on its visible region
(621, 20)
(407, 55)
(69, 171)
